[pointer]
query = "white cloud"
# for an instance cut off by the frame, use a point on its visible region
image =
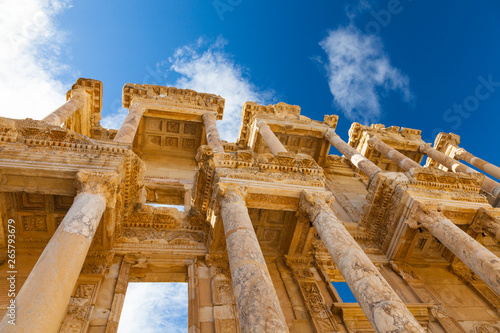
(155, 308)
(114, 120)
(204, 67)
(208, 68)
(360, 73)
(29, 60)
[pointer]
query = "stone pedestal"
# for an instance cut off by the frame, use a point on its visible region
(270, 138)
(65, 111)
(43, 299)
(213, 137)
(479, 259)
(489, 185)
(401, 160)
(129, 127)
(257, 302)
(361, 162)
(381, 305)
(489, 168)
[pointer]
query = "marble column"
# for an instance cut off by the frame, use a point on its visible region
(381, 305)
(489, 168)
(258, 306)
(362, 163)
(479, 259)
(42, 301)
(489, 185)
(65, 111)
(130, 125)
(401, 160)
(213, 137)
(270, 138)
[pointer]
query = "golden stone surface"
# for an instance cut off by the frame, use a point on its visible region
(268, 223)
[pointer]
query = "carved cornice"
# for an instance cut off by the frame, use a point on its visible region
(31, 131)
(171, 96)
(246, 165)
(358, 133)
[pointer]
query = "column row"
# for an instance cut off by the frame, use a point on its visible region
(42, 301)
(479, 259)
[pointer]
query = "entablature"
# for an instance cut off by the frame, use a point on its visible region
(265, 171)
(172, 99)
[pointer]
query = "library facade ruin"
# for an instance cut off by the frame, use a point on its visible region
(269, 222)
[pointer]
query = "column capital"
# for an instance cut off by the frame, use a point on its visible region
(231, 191)
(96, 182)
(460, 154)
(311, 203)
(424, 215)
(209, 115)
(260, 123)
(372, 141)
(424, 148)
(330, 134)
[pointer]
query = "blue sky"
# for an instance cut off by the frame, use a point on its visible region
(430, 65)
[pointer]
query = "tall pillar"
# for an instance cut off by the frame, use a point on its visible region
(479, 259)
(489, 185)
(130, 125)
(258, 306)
(213, 137)
(401, 160)
(65, 111)
(270, 138)
(362, 163)
(42, 301)
(381, 305)
(487, 167)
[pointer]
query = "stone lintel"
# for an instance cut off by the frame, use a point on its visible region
(282, 196)
(180, 99)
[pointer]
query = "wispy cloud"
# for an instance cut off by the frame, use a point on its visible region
(31, 46)
(356, 9)
(360, 73)
(155, 308)
(205, 66)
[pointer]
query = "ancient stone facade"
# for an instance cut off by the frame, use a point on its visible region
(269, 222)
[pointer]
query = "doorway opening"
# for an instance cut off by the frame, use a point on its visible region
(154, 307)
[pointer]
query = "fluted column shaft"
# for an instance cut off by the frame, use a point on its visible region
(270, 138)
(381, 305)
(401, 160)
(130, 125)
(478, 258)
(487, 167)
(213, 137)
(489, 185)
(362, 163)
(42, 301)
(258, 306)
(65, 111)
